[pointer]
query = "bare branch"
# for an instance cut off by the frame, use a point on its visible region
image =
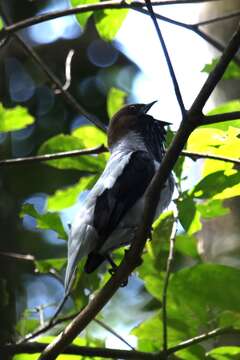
(166, 282)
(168, 59)
(203, 337)
(46, 157)
(218, 18)
(211, 119)
(35, 347)
(16, 256)
(195, 155)
(67, 72)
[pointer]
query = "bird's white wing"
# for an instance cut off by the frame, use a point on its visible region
(83, 236)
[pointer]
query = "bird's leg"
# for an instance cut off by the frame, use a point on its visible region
(113, 265)
(113, 269)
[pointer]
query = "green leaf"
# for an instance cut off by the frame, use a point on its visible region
(26, 326)
(14, 119)
(83, 17)
(50, 221)
(108, 22)
(44, 266)
(90, 136)
(189, 215)
(187, 245)
(232, 71)
(225, 353)
(115, 100)
(205, 290)
(161, 233)
(1, 23)
(67, 197)
(215, 184)
(61, 143)
(230, 106)
(212, 208)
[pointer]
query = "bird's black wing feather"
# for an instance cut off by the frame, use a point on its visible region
(114, 203)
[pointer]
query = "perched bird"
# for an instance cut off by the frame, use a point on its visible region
(113, 209)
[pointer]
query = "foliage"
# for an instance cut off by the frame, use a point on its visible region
(201, 296)
(14, 119)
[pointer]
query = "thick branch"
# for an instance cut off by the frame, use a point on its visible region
(211, 119)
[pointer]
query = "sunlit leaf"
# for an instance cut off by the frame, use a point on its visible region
(108, 22)
(65, 198)
(215, 183)
(49, 221)
(60, 143)
(224, 353)
(115, 100)
(14, 119)
(232, 71)
(212, 208)
(90, 136)
(83, 17)
(1, 23)
(44, 266)
(206, 139)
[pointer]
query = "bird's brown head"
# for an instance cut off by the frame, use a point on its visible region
(128, 118)
(134, 119)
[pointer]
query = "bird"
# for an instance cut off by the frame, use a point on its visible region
(111, 214)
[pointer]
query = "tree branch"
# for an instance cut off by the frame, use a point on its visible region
(195, 155)
(168, 59)
(203, 337)
(211, 119)
(35, 347)
(46, 157)
(166, 281)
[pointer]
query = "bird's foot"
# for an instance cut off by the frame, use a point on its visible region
(114, 268)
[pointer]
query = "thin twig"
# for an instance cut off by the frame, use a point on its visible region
(67, 72)
(16, 256)
(196, 155)
(218, 18)
(166, 281)
(168, 59)
(113, 332)
(203, 337)
(46, 157)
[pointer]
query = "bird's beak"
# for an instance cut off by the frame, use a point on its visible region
(146, 107)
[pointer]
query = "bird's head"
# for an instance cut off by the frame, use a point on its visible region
(134, 118)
